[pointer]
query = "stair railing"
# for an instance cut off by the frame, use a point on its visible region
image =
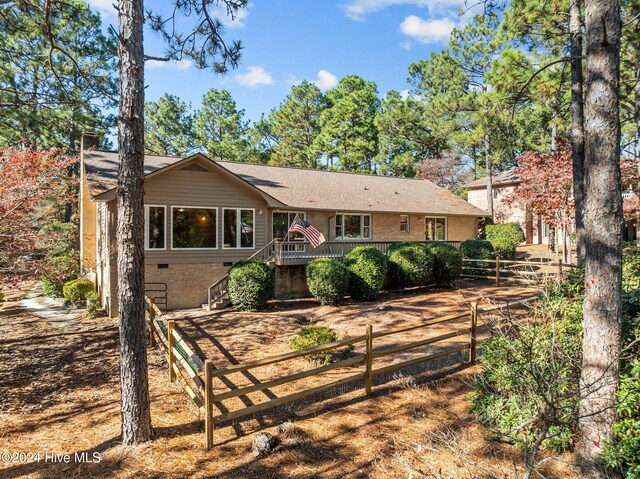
(218, 289)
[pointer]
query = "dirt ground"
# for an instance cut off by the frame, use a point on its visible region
(59, 393)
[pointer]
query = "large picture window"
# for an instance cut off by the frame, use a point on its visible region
(435, 229)
(154, 232)
(353, 227)
(281, 222)
(193, 227)
(239, 228)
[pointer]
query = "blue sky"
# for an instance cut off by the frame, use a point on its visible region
(286, 41)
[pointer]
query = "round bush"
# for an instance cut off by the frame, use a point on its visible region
(511, 231)
(313, 336)
(368, 268)
(477, 249)
(410, 264)
(77, 289)
(328, 280)
(250, 285)
(504, 247)
(447, 262)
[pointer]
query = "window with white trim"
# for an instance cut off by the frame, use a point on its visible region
(194, 227)
(154, 231)
(353, 227)
(404, 223)
(238, 228)
(436, 229)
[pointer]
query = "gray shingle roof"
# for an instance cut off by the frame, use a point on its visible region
(310, 189)
(506, 177)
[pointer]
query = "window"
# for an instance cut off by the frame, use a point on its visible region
(194, 227)
(404, 223)
(353, 227)
(435, 229)
(239, 228)
(154, 232)
(281, 222)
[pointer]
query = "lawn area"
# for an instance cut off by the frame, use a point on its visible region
(60, 394)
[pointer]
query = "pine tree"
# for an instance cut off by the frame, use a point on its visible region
(168, 128)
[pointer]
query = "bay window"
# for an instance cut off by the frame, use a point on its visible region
(194, 227)
(239, 228)
(353, 227)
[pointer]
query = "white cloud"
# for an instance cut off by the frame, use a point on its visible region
(427, 31)
(291, 80)
(326, 80)
(406, 45)
(238, 20)
(104, 7)
(404, 94)
(172, 64)
(359, 9)
(255, 76)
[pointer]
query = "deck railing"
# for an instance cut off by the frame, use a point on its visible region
(301, 252)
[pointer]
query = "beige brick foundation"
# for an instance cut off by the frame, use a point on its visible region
(187, 283)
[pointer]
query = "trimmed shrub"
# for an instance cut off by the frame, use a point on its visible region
(410, 264)
(504, 248)
(477, 249)
(57, 271)
(511, 231)
(77, 289)
(93, 302)
(328, 280)
(447, 262)
(250, 285)
(368, 268)
(312, 336)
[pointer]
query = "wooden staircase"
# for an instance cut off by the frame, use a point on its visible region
(218, 297)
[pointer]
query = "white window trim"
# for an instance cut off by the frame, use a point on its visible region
(146, 228)
(302, 213)
(192, 207)
(446, 226)
(408, 230)
(362, 226)
(238, 232)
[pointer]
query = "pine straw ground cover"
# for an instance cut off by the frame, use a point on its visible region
(60, 393)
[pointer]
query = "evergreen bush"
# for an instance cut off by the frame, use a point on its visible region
(328, 280)
(410, 264)
(447, 262)
(368, 268)
(250, 285)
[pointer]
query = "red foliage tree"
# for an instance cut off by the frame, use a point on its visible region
(631, 190)
(34, 188)
(449, 172)
(546, 186)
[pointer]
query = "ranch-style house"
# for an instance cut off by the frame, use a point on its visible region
(202, 216)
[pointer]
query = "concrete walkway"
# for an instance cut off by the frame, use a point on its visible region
(36, 303)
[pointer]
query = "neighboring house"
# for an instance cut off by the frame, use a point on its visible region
(201, 216)
(535, 229)
(505, 183)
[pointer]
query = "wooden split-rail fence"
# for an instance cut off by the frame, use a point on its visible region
(197, 376)
(502, 270)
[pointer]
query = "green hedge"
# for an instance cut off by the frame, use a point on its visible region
(447, 262)
(328, 280)
(313, 336)
(505, 238)
(77, 289)
(410, 264)
(250, 285)
(477, 249)
(368, 268)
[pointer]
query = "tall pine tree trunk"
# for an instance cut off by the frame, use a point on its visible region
(577, 122)
(487, 159)
(603, 223)
(136, 416)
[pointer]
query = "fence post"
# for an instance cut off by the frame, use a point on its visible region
(497, 270)
(208, 402)
(368, 380)
(472, 332)
(560, 269)
(152, 322)
(172, 341)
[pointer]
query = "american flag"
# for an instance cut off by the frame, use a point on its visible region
(311, 234)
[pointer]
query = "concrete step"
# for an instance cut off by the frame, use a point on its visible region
(221, 303)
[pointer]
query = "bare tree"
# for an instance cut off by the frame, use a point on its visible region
(603, 222)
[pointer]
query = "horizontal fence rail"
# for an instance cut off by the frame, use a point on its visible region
(197, 376)
(530, 272)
